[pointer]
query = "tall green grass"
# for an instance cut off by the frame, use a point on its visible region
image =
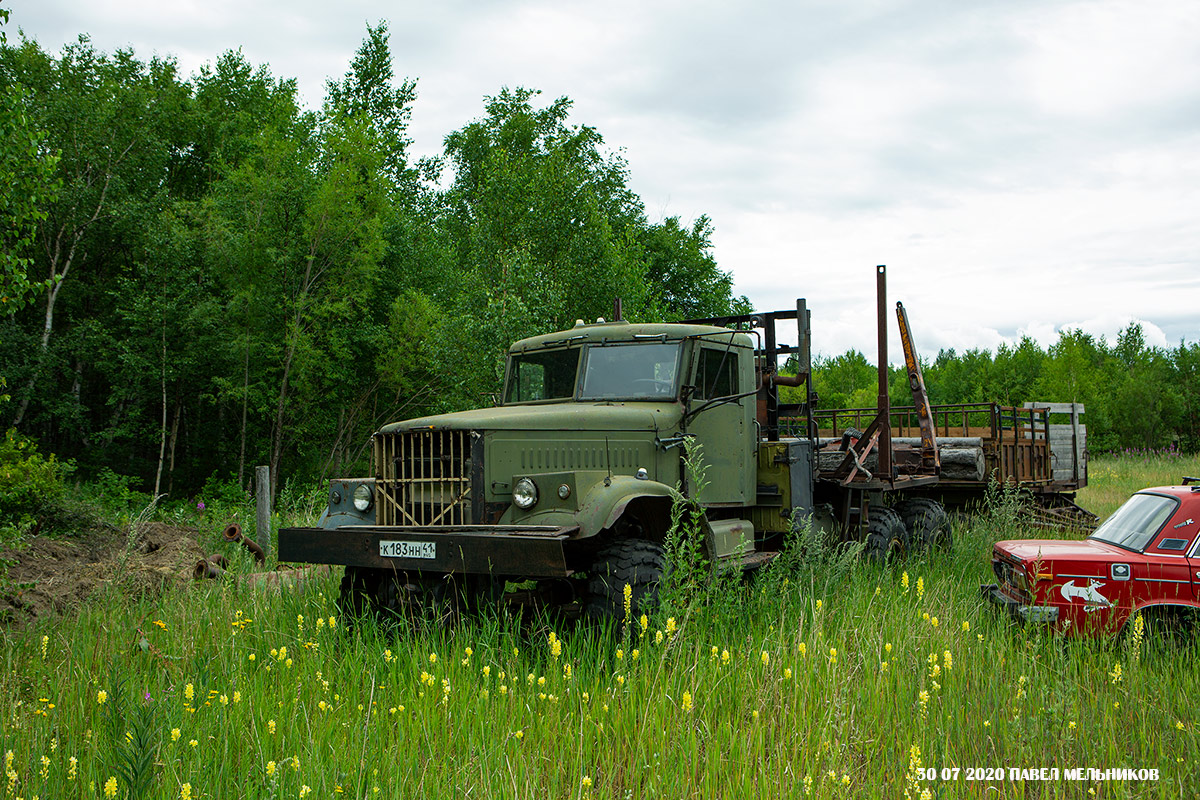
(832, 684)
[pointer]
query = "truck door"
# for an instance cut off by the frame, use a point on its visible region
(722, 422)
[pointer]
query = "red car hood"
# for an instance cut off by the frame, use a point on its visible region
(1048, 550)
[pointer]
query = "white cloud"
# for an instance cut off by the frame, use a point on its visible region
(1018, 165)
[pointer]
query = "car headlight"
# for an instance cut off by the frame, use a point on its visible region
(525, 493)
(362, 497)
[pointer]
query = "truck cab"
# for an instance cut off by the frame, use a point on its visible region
(584, 450)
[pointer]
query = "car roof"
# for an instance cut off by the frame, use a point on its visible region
(1175, 491)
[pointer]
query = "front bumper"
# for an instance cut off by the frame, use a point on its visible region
(526, 551)
(1016, 609)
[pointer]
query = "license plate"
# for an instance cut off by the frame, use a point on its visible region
(402, 549)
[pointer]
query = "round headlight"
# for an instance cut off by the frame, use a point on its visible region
(362, 497)
(525, 493)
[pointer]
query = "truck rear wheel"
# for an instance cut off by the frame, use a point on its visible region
(636, 563)
(927, 523)
(887, 538)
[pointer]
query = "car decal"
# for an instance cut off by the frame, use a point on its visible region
(1088, 594)
(1185, 522)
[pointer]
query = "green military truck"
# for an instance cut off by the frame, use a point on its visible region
(563, 491)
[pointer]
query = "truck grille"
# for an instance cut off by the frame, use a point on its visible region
(423, 478)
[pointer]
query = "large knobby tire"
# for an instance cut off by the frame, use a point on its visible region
(887, 538)
(927, 524)
(637, 563)
(390, 597)
(356, 597)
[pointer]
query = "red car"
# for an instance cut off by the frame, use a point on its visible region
(1144, 558)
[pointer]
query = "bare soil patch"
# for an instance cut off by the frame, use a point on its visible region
(54, 576)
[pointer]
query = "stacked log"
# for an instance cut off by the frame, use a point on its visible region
(962, 457)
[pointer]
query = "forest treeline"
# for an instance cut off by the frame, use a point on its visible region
(1136, 397)
(200, 275)
(219, 278)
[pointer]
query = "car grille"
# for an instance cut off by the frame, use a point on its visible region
(423, 477)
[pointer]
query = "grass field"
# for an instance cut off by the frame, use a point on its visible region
(814, 681)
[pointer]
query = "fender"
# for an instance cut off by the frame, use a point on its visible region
(1183, 603)
(604, 505)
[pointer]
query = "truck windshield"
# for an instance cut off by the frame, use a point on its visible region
(1134, 524)
(637, 371)
(548, 375)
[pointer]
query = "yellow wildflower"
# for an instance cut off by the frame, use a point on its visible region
(686, 702)
(904, 581)
(110, 786)
(270, 768)
(101, 696)
(175, 734)
(766, 658)
(185, 792)
(670, 626)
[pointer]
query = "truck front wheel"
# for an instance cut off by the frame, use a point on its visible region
(636, 563)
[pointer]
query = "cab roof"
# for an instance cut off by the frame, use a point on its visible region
(621, 331)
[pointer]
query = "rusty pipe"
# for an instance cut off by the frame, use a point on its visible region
(786, 380)
(212, 568)
(233, 533)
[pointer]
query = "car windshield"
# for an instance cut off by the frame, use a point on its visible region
(546, 375)
(637, 371)
(1135, 524)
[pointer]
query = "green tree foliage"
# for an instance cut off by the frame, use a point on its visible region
(27, 185)
(227, 279)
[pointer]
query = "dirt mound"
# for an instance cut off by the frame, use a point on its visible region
(53, 576)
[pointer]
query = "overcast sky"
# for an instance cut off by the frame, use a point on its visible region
(1021, 167)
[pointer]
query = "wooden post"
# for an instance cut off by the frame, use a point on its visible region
(262, 511)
